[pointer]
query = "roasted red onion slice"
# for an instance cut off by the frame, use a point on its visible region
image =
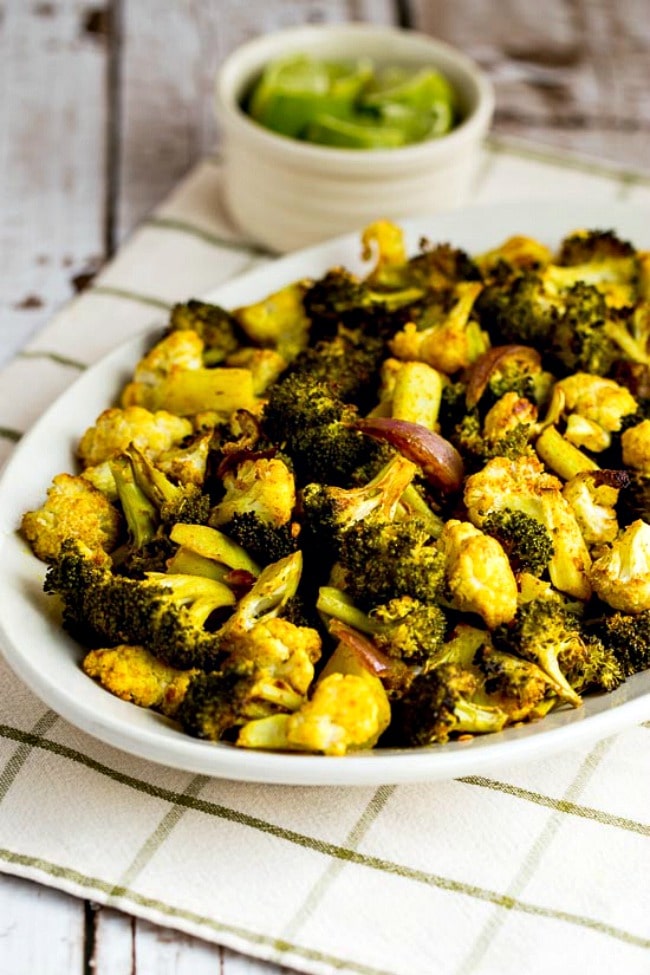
(440, 461)
(478, 375)
(368, 655)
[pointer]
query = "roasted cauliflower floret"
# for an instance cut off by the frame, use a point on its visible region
(133, 674)
(187, 463)
(507, 414)
(278, 321)
(172, 377)
(593, 496)
(345, 712)
(451, 343)
(523, 485)
(635, 442)
(101, 477)
(264, 486)
(478, 573)
(74, 508)
(621, 575)
(177, 350)
(265, 365)
(278, 649)
(601, 400)
(116, 428)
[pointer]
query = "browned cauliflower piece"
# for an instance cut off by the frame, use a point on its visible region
(524, 485)
(635, 442)
(279, 650)
(187, 463)
(600, 400)
(507, 414)
(266, 366)
(133, 674)
(172, 376)
(450, 344)
(478, 573)
(116, 428)
(621, 575)
(74, 508)
(593, 496)
(345, 712)
(264, 486)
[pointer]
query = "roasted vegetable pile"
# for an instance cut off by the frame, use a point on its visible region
(388, 510)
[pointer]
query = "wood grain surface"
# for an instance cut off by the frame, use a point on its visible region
(104, 106)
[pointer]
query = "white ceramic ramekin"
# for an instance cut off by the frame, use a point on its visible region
(286, 194)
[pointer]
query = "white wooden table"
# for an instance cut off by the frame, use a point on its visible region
(104, 105)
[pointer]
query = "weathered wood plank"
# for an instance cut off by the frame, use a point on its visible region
(51, 160)
(575, 78)
(41, 929)
(168, 62)
(124, 946)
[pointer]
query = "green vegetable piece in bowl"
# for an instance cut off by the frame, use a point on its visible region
(423, 98)
(356, 132)
(292, 91)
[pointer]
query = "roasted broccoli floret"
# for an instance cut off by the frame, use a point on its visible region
(404, 628)
(387, 559)
(439, 704)
(442, 265)
(265, 542)
(347, 364)
(519, 687)
(340, 298)
(525, 540)
(215, 703)
(165, 613)
(592, 246)
(506, 369)
(152, 504)
(545, 632)
(478, 441)
(518, 310)
(329, 511)
(303, 417)
(174, 502)
(216, 326)
(409, 629)
(627, 635)
(580, 340)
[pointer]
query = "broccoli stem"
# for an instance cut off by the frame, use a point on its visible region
(561, 456)
(199, 595)
(212, 544)
(141, 515)
(333, 602)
